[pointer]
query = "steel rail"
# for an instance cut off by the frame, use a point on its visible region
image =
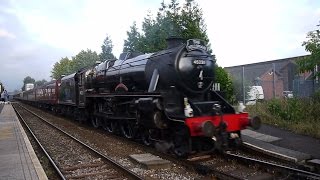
(201, 169)
(204, 169)
(298, 172)
(40, 145)
(119, 166)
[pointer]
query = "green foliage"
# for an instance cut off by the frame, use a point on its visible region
(132, 43)
(66, 66)
(40, 82)
(312, 45)
(172, 20)
(295, 109)
(316, 97)
(274, 107)
(298, 115)
(225, 81)
(63, 67)
(287, 109)
(27, 80)
(84, 59)
(106, 49)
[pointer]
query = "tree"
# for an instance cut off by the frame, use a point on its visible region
(192, 22)
(40, 82)
(312, 45)
(84, 59)
(106, 48)
(132, 43)
(226, 84)
(27, 80)
(172, 20)
(64, 67)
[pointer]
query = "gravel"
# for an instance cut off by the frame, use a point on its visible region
(119, 150)
(116, 148)
(73, 159)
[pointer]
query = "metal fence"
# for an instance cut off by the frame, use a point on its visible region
(278, 80)
(305, 88)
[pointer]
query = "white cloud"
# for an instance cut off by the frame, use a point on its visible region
(88, 25)
(250, 31)
(240, 32)
(5, 34)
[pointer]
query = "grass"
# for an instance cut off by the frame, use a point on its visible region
(301, 116)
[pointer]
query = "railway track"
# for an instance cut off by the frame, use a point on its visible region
(71, 158)
(292, 172)
(235, 165)
(225, 167)
(243, 165)
(231, 165)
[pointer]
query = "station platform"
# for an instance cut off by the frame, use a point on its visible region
(17, 157)
(283, 144)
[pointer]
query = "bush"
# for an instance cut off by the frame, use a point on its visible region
(296, 114)
(287, 109)
(316, 97)
(274, 107)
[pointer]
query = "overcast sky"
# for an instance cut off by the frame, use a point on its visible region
(35, 34)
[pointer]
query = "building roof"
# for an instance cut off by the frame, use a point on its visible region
(252, 71)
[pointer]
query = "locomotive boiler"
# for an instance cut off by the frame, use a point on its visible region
(165, 98)
(189, 70)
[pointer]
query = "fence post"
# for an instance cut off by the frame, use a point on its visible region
(274, 79)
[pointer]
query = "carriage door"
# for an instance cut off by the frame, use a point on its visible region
(81, 89)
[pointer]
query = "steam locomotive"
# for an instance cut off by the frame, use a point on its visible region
(163, 98)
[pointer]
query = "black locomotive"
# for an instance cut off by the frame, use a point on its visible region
(164, 98)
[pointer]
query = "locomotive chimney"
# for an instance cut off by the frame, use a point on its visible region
(174, 41)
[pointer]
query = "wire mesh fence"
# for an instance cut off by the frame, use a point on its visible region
(277, 79)
(305, 88)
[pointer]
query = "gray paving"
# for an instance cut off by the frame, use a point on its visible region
(290, 140)
(17, 158)
(276, 151)
(151, 161)
(259, 136)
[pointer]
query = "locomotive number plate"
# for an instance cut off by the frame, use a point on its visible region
(199, 62)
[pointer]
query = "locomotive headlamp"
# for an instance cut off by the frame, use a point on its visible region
(208, 129)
